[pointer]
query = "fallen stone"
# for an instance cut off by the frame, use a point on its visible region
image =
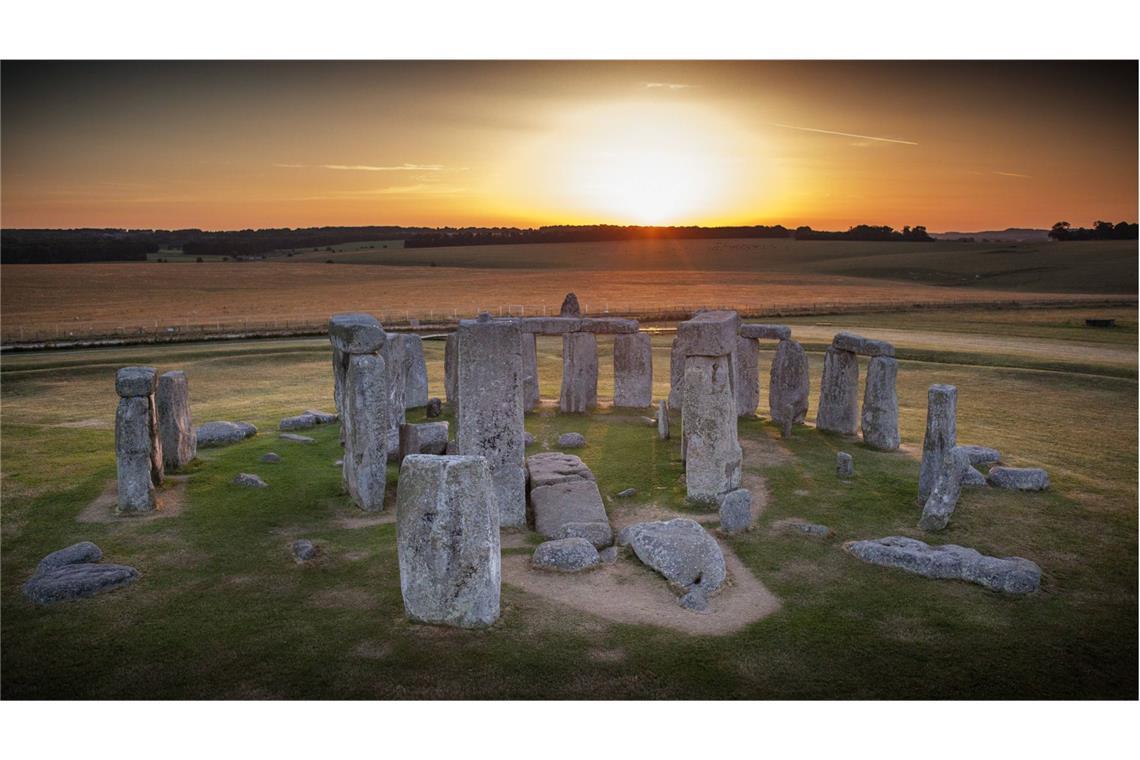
(172, 404)
(633, 370)
(709, 333)
(423, 438)
(766, 332)
(1019, 478)
(552, 467)
(788, 383)
(356, 333)
(135, 381)
(579, 373)
(628, 492)
(571, 440)
(82, 552)
(941, 434)
(662, 420)
(220, 433)
(681, 550)
(566, 555)
(296, 438)
(947, 488)
(712, 452)
(838, 410)
(812, 529)
(67, 580)
(881, 405)
(304, 550)
(695, 600)
(249, 480)
(857, 344)
(736, 511)
(271, 457)
(844, 465)
(746, 364)
(974, 478)
(307, 419)
(447, 532)
(600, 534)
(609, 555)
(576, 501)
(1013, 575)
(982, 454)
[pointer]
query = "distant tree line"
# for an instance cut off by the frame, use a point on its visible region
(1099, 231)
(74, 246)
(867, 232)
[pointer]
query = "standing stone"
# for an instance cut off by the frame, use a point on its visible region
(570, 307)
(138, 448)
(788, 384)
(676, 372)
(451, 370)
(838, 410)
(736, 511)
(747, 376)
(490, 419)
(663, 420)
(530, 371)
(952, 470)
(447, 531)
(844, 465)
(351, 333)
(434, 408)
(415, 371)
(395, 355)
(708, 419)
(633, 370)
(579, 373)
(941, 435)
(179, 443)
(424, 438)
(881, 405)
(365, 422)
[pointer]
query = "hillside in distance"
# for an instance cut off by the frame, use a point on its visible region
(1008, 235)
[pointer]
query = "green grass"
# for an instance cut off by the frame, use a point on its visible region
(222, 611)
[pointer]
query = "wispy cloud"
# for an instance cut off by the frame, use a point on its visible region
(1013, 174)
(371, 168)
(871, 138)
(668, 85)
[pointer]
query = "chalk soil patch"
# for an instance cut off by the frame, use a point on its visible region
(170, 498)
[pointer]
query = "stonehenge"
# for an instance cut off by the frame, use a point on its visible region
(579, 373)
(633, 370)
(172, 404)
(838, 410)
(447, 534)
(364, 403)
(941, 435)
(747, 381)
(788, 384)
(839, 388)
(490, 419)
(880, 415)
(138, 447)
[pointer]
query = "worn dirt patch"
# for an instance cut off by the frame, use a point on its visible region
(515, 539)
(606, 655)
(628, 515)
(171, 497)
(366, 521)
(764, 452)
(628, 592)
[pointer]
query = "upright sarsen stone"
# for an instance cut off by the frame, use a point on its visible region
(176, 431)
(788, 383)
(451, 370)
(530, 370)
(708, 419)
(138, 448)
(633, 370)
(676, 372)
(947, 487)
(415, 371)
(838, 410)
(395, 355)
(579, 372)
(747, 367)
(447, 531)
(351, 333)
(490, 419)
(365, 422)
(881, 405)
(941, 434)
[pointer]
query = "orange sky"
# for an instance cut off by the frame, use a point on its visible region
(962, 146)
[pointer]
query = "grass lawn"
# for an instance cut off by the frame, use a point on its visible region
(221, 609)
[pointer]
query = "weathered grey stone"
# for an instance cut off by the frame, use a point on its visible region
(627, 493)
(271, 457)
(941, 434)
(249, 480)
(579, 373)
(736, 511)
(135, 381)
(570, 307)
(681, 550)
(552, 467)
(222, 433)
(434, 408)
(549, 325)
(528, 439)
(304, 550)
(662, 420)
(608, 326)
(1019, 478)
(395, 357)
(529, 371)
(838, 410)
(766, 332)
(423, 438)
(881, 405)
(451, 370)
(573, 502)
(812, 529)
(307, 419)
(365, 417)
(709, 333)
(571, 440)
(708, 420)
(599, 534)
(746, 364)
(74, 573)
(857, 344)
(633, 370)
(356, 333)
(340, 367)
(609, 555)
(566, 555)
(1013, 575)
(133, 455)
(844, 465)
(179, 444)
(447, 531)
(490, 419)
(982, 454)
(974, 478)
(415, 371)
(676, 372)
(946, 490)
(295, 438)
(788, 383)
(695, 600)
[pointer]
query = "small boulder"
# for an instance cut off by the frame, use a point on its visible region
(600, 534)
(567, 555)
(271, 457)
(304, 550)
(1019, 478)
(695, 600)
(609, 555)
(736, 511)
(75, 573)
(296, 438)
(628, 492)
(249, 480)
(223, 433)
(844, 465)
(571, 440)
(307, 419)
(434, 408)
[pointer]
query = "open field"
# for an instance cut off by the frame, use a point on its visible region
(221, 610)
(143, 301)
